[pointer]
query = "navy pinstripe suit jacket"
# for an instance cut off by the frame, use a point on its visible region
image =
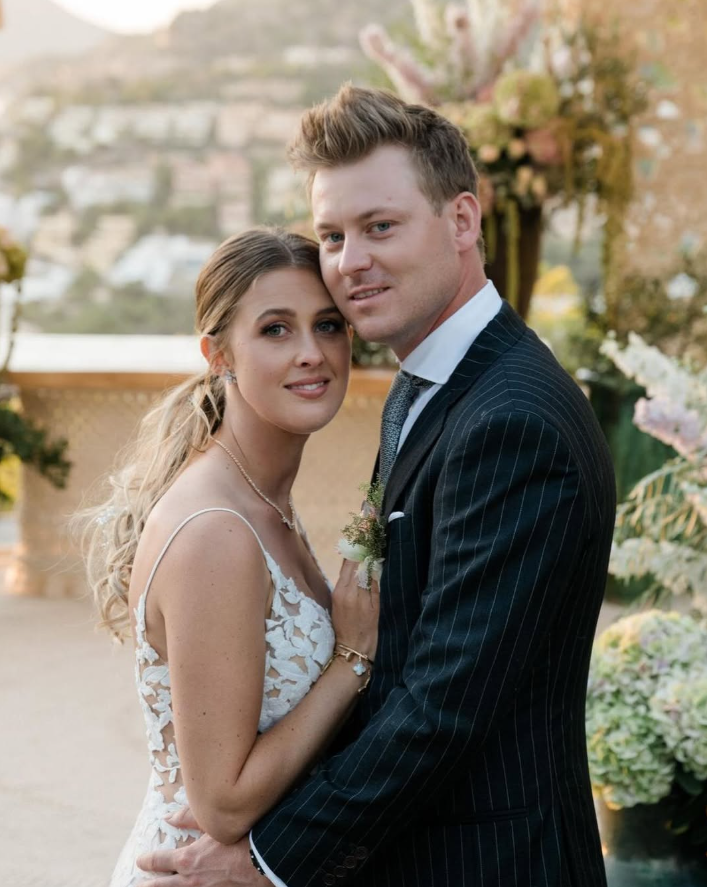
(466, 766)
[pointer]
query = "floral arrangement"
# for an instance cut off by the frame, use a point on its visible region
(19, 438)
(547, 108)
(661, 529)
(647, 708)
(363, 539)
(13, 258)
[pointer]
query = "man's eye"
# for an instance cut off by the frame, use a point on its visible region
(333, 238)
(381, 227)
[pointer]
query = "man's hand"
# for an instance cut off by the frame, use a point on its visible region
(206, 863)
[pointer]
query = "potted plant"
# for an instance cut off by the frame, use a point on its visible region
(547, 110)
(647, 748)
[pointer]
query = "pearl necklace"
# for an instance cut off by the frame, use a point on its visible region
(290, 524)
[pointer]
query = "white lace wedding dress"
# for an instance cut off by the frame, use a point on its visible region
(299, 641)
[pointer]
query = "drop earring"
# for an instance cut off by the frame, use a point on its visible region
(230, 377)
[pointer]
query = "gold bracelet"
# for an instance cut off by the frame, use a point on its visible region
(359, 669)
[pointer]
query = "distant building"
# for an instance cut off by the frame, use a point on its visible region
(222, 175)
(232, 174)
(113, 235)
(278, 125)
(234, 217)
(162, 263)
(192, 183)
(152, 123)
(35, 109)
(193, 124)
(9, 154)
(53, 239)
(236, 123)
(280, 91)
(46, 281)
(111, 124)
(319, 56)
(285, 194)
(107, 186)
(70, 129)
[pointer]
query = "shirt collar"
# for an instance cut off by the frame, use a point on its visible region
(438, 355)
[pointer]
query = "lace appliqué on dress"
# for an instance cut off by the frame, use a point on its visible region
(299, 641)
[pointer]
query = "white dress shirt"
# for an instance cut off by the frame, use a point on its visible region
(437, 356)
(435, 359)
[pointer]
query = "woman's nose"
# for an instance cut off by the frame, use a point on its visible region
(309, 353)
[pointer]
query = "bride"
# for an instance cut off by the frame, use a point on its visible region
(199, 554)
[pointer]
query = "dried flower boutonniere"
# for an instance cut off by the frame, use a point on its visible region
(363, 539)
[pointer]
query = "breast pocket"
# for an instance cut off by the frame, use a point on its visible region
(399, 530)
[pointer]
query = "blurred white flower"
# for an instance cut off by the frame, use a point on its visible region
(667, 110)
(682, 286)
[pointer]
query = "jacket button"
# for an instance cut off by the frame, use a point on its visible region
(350, 862)
(340, 871)
(329, 880)
(361, 853)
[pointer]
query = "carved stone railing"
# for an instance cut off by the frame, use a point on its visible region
(93, 390)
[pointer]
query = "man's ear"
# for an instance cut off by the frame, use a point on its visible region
(210, 349)
(466, 217)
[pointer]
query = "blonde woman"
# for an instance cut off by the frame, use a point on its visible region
(200, 556)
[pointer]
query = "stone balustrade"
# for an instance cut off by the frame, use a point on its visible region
(93, 391)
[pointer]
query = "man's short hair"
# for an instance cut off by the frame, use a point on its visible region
(356, 121)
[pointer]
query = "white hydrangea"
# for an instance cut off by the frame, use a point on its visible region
(680, 707)
(682, 286)
(630, 731)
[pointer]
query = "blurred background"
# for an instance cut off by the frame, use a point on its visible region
(135, 136)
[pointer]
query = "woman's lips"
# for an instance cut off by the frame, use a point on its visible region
(309, 390)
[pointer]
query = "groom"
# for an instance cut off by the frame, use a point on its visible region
(466, 762)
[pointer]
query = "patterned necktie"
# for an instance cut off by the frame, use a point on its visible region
(401, 396)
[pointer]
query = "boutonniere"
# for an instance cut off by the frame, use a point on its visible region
(363, 539)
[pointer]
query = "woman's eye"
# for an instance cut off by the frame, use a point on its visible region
(330, 326)
(275, 330)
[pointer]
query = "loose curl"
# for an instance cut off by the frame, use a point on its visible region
(181, 423)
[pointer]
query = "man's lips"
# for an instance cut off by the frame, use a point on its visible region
(361, 293)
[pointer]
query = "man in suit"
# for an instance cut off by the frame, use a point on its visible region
(466, 762)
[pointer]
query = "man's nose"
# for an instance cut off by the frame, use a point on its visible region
(354, 257)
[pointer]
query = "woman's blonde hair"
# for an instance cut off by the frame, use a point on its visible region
(181, 423)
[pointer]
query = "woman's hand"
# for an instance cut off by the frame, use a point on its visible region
(354, 611)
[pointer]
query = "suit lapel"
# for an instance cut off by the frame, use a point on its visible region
(493, 341)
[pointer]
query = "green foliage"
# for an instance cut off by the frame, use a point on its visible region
(372, 354)
(21, 438)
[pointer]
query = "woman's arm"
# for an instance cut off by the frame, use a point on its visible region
(212, 590)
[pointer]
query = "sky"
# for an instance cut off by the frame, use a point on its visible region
(130, 16)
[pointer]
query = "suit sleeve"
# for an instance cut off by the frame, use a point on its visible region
(508, 523)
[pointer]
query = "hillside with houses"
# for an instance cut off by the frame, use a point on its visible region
(123, 166)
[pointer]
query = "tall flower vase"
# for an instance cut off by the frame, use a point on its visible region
(641, 852)
(513, 236)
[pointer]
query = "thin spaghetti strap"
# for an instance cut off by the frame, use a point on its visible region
(181, 526)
